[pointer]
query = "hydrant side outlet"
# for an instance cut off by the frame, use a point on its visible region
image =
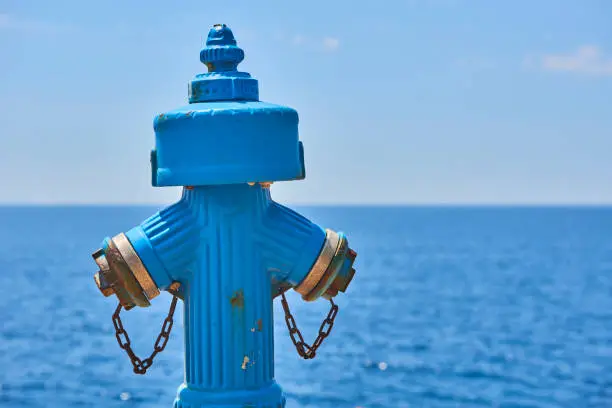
(229, 246)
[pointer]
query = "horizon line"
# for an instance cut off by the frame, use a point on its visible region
(355, 205)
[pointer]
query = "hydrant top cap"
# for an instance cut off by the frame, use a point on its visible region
(226, 135)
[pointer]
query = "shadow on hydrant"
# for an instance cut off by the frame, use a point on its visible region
(226, 248)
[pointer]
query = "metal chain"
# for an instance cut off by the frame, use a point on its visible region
(141, 366)
(305, 350)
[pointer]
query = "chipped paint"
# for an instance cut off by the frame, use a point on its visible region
(245, 362)
(237, 299)
(259, 325)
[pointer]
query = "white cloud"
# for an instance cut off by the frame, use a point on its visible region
(14, 23)
(331, 43)
(5, 21)
(298, 40)
(588, 59)
(476, 63)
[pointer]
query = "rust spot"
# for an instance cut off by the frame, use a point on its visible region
(245, 362)
(238, 299)
(259, 325)
(189, 187)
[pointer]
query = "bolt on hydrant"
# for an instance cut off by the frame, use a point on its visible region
(226, 249)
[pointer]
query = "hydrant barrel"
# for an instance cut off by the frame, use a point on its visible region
(225, 248)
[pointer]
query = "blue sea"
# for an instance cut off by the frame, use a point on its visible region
(450, 307)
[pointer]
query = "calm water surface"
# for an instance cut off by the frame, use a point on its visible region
(450, 307)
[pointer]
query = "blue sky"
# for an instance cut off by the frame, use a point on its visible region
(437, 101)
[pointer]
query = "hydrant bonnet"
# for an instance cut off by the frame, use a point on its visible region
(225, 135)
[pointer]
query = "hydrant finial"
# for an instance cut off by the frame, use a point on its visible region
(220, 34)
(221, 53)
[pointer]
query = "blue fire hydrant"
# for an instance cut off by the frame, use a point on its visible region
(225, 248)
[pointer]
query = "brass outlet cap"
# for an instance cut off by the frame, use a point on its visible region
(136, 266)
(104, 287)
(123, 273)
(325, 268)
(125, 284)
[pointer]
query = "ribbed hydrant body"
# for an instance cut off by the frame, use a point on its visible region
(226, 248)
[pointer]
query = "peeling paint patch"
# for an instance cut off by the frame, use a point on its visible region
(259, 325)
(245, 362)
(237, 299)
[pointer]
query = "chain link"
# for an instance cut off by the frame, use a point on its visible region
(141, 366)
(305, 350)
